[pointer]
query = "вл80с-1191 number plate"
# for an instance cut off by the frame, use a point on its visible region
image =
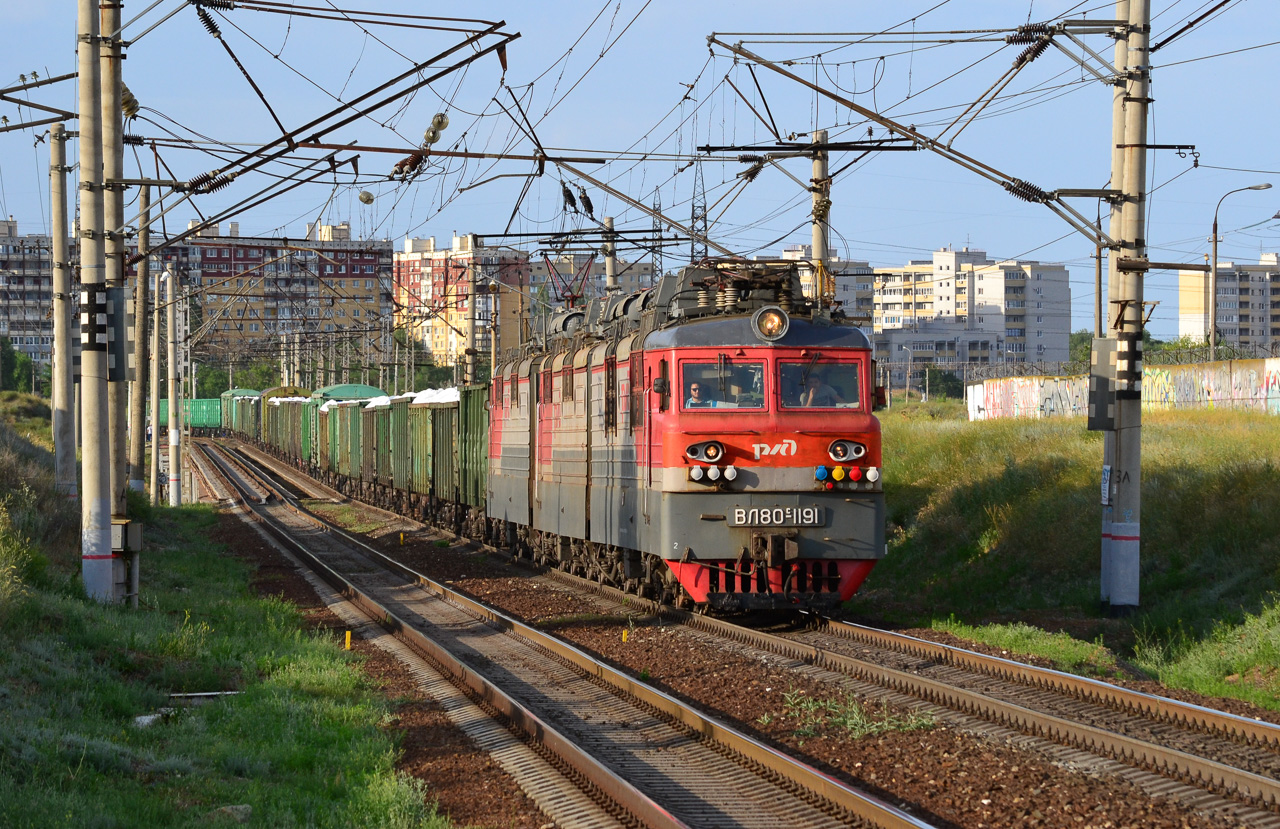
(776, 517)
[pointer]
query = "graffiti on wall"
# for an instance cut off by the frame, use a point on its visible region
(1237, 384)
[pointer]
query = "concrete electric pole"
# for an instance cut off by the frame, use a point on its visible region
(64, 386)
(110, 59)
(1122, 495)
(98, 565)
(138, 399)
(470, 353)
(175, 409)
(821, 188)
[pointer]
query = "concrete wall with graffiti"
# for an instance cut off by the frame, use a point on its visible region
(1239, 384)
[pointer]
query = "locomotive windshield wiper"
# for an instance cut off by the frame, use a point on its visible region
(804, 376)
(721, 361)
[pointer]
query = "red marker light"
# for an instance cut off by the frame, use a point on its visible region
(831, 485)
(855, 473)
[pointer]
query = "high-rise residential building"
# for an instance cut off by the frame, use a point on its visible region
(1248, 310)
(432, 292)
(587, 273)
(26, 291)
(1024, 307)
(254, 289)
(432, 284)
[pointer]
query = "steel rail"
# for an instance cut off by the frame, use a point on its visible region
(1201, 771)
(617, 789)
(823, 786)
(1253, 732)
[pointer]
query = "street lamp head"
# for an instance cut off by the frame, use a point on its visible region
(1266, 185)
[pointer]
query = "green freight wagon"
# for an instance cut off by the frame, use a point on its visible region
(473, 445)
(433, 432)
(226, 397)
(401, 451)
(277, 421)
(201, 413)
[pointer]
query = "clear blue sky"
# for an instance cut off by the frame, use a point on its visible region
(1054, 130)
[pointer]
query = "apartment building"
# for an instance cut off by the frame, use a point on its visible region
(26, 291)
(432, 294)
(432, 285)
(251, 289)
(1248, 310)
(1022, 307)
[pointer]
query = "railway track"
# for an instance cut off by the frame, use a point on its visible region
(640, 756)
(1209, 760)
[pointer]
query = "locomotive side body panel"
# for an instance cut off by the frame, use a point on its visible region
(509, 447)
(613, 494)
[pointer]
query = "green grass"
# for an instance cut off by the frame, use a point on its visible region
(813, 717)
(29, 416)
(301, 744)
(998, 522)
(1065, 651)
(348, 516)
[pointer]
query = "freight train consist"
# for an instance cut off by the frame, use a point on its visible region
(709, 442)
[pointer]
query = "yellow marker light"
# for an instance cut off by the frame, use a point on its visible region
(838, 473)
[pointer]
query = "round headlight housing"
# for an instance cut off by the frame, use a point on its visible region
(710, 451)
(843, 451)
(770, 323)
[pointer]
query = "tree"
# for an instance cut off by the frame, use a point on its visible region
(16, 368)
(1081, 345)
(944, 384)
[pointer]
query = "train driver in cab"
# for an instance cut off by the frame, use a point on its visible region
(699, 396)
(818, 393)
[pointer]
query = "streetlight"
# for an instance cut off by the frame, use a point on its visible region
(1213, 271)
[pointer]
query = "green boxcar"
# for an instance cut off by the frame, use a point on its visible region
(202, 413)
(369, 431)
(324, 446)
(401, 456)
(444, 450)
(473, 445)
(227, 408)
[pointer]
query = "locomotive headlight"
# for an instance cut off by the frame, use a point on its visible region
(873, 474)
(730, 473)
(843, 451)
(711, 451)
(713, 473)
(770, 323)
(695, 474)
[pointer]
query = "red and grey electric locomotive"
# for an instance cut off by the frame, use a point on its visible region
(709, 441)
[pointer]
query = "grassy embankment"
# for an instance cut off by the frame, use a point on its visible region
(300, 744)
(995, 535)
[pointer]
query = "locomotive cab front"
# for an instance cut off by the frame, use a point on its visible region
(771, 492)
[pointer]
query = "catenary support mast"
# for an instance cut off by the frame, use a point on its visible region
(64, 387)
(1126, 320)
(97, 562)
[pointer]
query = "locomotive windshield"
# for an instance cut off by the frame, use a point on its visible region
(723, 384)
(819, 383)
